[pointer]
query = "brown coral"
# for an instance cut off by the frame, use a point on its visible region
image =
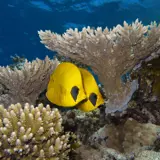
(128, 137)
(26, 84)
(110, 53)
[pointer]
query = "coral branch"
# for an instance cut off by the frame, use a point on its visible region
(29, 132)
(26, 84)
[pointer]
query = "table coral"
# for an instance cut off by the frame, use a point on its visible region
(110, 53)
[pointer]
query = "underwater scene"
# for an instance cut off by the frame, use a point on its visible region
(80, 80)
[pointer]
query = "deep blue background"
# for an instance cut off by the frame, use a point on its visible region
(21, 19)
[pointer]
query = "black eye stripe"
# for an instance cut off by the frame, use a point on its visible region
(93, 98)
(74, 92)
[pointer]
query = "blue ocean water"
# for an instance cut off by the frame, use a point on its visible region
(21, 19)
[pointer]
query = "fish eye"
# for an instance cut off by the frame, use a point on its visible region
(93, 98)
(74, 92)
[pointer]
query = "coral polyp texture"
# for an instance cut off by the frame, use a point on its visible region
(110, 53)
(28, 132)
(26, 84)
(128, 137)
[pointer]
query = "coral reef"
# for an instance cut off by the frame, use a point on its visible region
(128, 137)
(108, 137)
(29, 132)
(143, 112)
(110, 53)
(82, 124)
(88, 153)
(144, 106)
(148, 155)
(126, 60)
(149, 80)
(26, 84)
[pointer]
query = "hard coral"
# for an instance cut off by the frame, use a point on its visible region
(149, 80)
(26, 84)
(29, 132)
(110, 53)
(148, 155)
(128, 137)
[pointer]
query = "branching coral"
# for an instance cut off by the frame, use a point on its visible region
(110, 53)
(26, 84)
(29, 132)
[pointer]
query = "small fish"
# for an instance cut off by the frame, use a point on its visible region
(65, 87)
(94, 97)
(70, 86)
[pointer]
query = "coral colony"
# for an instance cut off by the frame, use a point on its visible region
(126, 127)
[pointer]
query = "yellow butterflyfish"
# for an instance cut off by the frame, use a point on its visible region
(65, 87)
(70, 86)
(94, 97)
